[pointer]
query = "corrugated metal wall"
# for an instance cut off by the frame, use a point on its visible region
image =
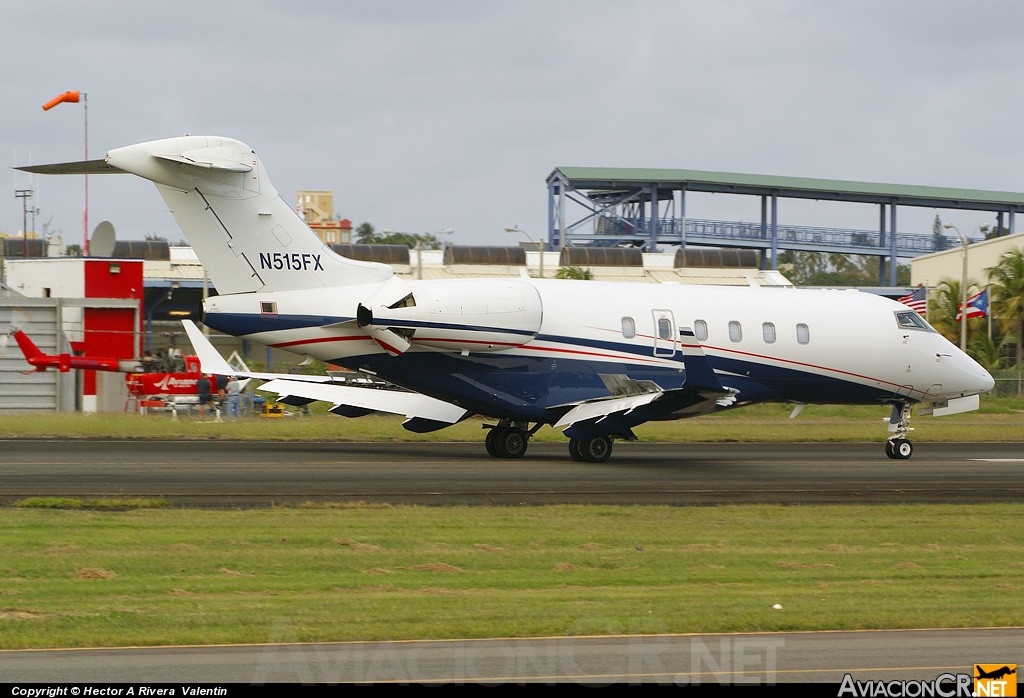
(47, 391)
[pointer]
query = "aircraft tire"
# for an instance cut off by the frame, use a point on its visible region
(489, 443)
(509, 442)
(576, 450)
(899, 449)
(597, 449)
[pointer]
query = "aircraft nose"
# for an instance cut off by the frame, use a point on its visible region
(987, 382)
(976, 380)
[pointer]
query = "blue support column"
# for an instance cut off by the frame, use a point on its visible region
(881, 244)
(764, 217)
(775, 230)
(682, 218)
(892, 244)
(551, 214)
(652, 245)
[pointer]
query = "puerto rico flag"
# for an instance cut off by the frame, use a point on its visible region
(918, 300)
(977, 306)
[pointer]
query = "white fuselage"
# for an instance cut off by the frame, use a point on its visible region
(767, 344)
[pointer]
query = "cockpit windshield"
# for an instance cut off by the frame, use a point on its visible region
(909, 320)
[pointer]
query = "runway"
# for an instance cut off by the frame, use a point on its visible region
(689, 660)
(251, 474)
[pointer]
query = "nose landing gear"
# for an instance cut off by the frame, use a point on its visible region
(898, 447)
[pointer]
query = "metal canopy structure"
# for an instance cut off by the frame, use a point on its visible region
(646, 207)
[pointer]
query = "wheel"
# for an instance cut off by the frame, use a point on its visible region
(514, 443)
(489, 443)
(899, 449)
(576, 450)
(506, 442)
(597, 449)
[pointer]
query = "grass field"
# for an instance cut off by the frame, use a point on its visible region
(1000, 419)
(104, 573)
(143, 577)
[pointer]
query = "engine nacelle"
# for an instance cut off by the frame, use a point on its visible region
(456, 315)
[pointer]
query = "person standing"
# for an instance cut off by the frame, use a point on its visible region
(234, 397)
(203, 388)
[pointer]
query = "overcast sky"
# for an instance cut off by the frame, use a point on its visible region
(422, 115)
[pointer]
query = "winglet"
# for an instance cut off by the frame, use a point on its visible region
(210, 360)
(699, 374)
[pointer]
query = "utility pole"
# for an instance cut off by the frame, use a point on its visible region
(24, 195)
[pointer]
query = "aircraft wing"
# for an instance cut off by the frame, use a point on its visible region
(598, 409)
(422, 413)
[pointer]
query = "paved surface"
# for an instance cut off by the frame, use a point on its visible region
(228, 474)
(672, 659)
(241, 474)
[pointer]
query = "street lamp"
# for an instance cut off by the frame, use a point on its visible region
(539, 246)
(964, 241)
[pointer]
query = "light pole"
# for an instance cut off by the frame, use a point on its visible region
(963, 288)
(539, 246)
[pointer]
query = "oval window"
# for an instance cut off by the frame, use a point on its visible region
(803, 333)
(700, 329)
(628, 328)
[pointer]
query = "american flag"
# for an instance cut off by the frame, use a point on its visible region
(918, 300)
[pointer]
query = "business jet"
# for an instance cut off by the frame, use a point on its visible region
(594, 359)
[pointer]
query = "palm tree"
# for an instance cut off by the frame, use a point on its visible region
(943, 306)
(943, 302)
(365, 234)
(1007, 287)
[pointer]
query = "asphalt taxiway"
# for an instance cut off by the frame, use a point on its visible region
(258, 474)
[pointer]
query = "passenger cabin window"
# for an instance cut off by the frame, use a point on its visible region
(628, 328)
(700, 330)
(268, 307)
(909, 320)
(735, 331)
(664, 328)
(803, 333)
(768, 330)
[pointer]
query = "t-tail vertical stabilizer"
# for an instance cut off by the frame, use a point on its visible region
(247, 237)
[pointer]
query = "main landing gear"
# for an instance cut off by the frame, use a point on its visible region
(509, 439)
(594, 450)
(898, 447)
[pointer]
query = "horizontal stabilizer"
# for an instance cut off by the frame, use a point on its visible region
(74, 168)
(207, 163)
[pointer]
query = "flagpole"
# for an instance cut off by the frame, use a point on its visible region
(989, 314)
(963, 289)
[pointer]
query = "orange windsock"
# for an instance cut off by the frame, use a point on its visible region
(71, 96)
